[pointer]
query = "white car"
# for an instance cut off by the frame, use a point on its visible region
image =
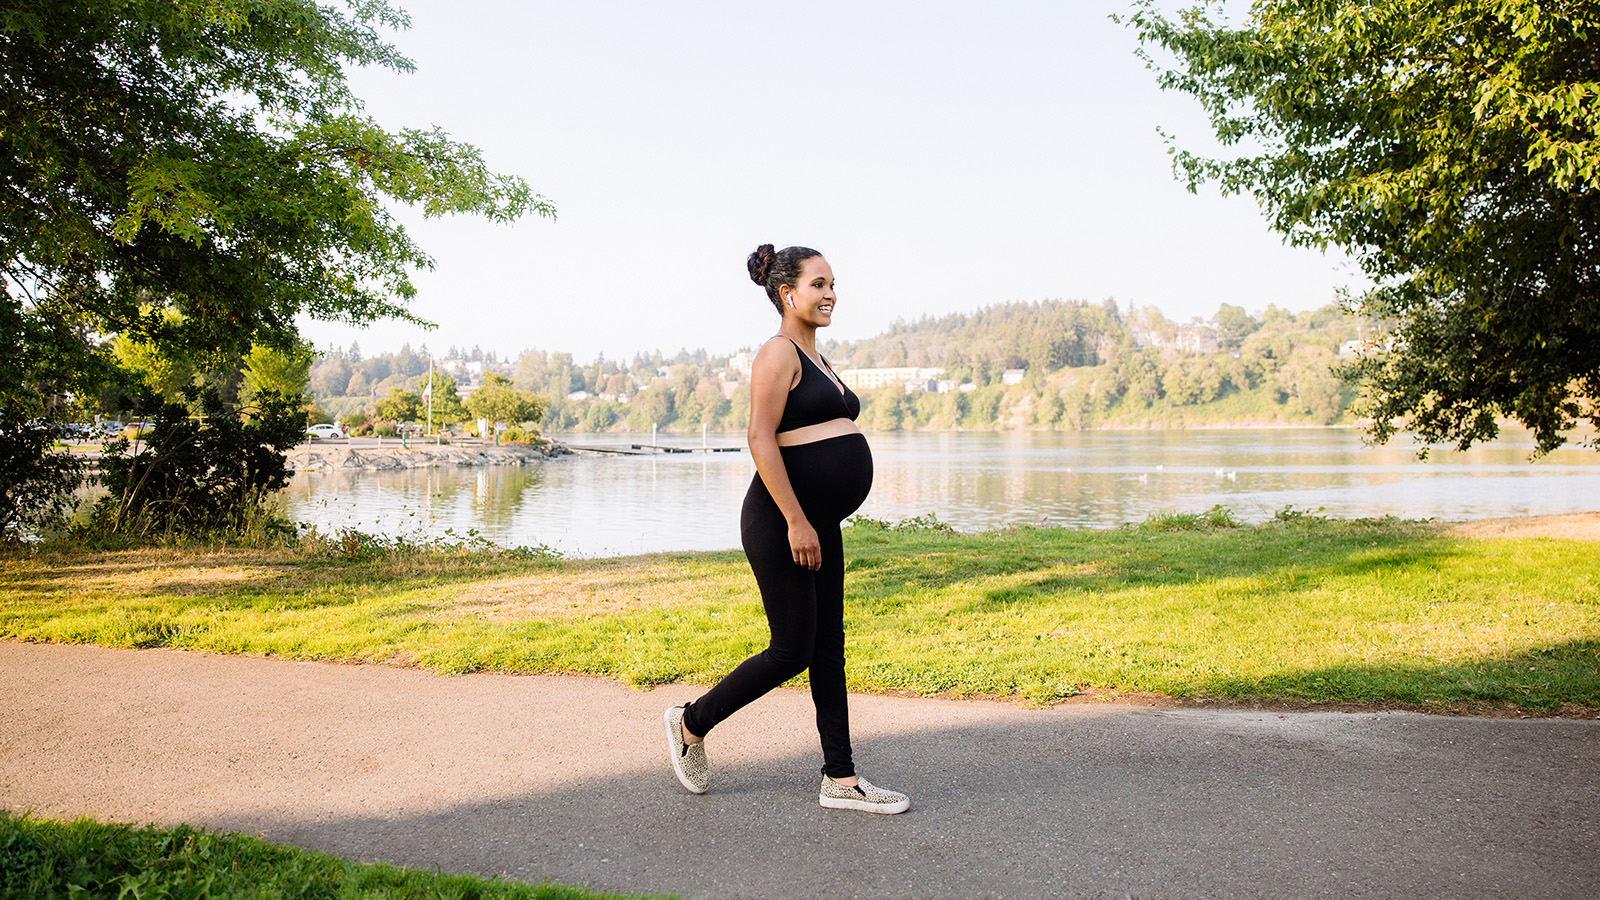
(324, 432)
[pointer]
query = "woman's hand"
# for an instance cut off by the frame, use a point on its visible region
(804, 545)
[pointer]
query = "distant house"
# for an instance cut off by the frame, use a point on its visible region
(741, 362)
(1012, 376)
(1200, 340)
(869, 379)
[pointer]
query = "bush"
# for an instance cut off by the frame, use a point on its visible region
(35, 485)
(211, 474)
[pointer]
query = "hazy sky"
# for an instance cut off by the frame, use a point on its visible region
(943, 156)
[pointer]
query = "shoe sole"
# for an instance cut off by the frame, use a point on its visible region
(672, 754)
(887, 809)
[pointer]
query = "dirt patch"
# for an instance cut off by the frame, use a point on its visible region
(601, 590)
(166, 570)
(1571, 526)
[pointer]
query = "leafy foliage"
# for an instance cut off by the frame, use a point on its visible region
(190, 176)
(1454, 149)
(35, 485)
(1139, 369)
(497, 401)
(212, 155)
(203, 474)
(400, 406)
(285, 370)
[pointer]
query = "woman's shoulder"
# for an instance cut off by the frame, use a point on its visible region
(779, 347)
(778, 355)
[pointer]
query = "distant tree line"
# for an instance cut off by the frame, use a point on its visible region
(1081, 365)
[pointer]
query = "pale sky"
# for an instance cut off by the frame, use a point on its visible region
(943, 156)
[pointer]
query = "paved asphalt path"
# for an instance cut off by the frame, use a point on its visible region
(566, 779)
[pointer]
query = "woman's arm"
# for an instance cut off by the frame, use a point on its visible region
(772, 373)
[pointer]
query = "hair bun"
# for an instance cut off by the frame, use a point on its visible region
(760, 264)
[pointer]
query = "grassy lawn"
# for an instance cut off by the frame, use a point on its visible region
(41, 858)
(1311, 610)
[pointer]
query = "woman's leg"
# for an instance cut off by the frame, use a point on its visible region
(827, 660)
(788, 593)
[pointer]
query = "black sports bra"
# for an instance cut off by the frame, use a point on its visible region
(816, 399)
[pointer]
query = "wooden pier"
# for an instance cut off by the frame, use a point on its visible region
(648, 449)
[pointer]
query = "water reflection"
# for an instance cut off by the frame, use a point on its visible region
(596, 505)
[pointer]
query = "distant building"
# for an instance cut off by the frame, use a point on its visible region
(1197, 339)
(740, 362)
(1200, 340)
(1012, 376)
(869, 379)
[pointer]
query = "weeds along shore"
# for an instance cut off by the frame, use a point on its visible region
(1193, 607)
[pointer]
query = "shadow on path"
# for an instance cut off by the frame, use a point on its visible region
(562, 778)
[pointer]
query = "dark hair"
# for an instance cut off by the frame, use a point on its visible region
(773, 270)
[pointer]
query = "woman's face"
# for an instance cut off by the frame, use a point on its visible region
(812, 298)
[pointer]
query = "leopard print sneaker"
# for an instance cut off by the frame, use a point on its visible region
(688, 760)
(866, 797)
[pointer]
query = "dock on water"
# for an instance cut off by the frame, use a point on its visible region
(655, 446)
(646, 449)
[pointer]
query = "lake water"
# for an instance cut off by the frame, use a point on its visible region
(604, 505)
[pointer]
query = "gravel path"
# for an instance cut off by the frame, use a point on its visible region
(564, 779)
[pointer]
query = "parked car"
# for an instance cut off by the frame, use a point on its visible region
(324, 432)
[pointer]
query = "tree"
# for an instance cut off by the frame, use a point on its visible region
(1233, 326)
(1454, 150)
(286, 371)
(651, 406)
(201, 474)
(497, 401)
(330, 377)
(447, 405)
(210, 159)
(400, 406)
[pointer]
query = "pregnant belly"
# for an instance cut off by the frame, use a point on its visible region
(831, 477)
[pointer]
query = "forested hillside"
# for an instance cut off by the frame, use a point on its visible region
(1049, 364)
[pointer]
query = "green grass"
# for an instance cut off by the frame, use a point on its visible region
(40, 858)
(1301, 609)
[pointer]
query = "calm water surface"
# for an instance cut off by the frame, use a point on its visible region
(602, 505)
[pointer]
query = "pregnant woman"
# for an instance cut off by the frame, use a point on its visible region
(813, 469)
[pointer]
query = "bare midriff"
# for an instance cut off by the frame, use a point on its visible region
(810, 434)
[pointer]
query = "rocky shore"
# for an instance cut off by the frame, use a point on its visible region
(323, 457)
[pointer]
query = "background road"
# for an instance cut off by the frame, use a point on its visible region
(565, 778)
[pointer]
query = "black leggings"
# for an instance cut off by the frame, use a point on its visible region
(805, 609)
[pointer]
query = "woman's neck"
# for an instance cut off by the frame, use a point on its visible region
(802, 334)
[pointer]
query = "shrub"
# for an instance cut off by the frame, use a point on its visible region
(35, 485)
(210, 474)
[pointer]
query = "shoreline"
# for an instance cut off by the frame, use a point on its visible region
(328, 457)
